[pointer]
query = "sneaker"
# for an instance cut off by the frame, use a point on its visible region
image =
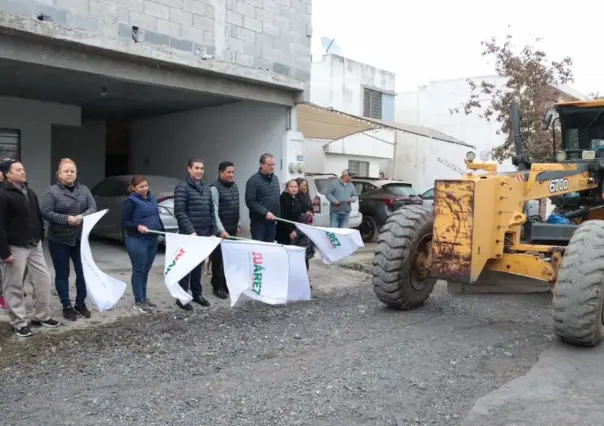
(150, 305)
(70, 314)
(2, 304)
(23, 332)
(50, 323)
(185, 306)
(141, 307)
(82, 310)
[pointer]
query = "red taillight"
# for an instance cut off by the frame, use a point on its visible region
(316, 204)
(162, 199)
(389, 203)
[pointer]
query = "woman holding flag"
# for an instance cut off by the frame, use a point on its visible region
(140, 215)
(292, 209)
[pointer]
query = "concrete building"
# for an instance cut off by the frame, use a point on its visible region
(431, 106)
(138, 86)
(390, 148)
(357, 89)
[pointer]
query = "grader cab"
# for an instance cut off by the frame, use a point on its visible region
(479, 223)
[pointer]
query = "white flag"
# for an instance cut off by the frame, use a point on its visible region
(298, 287)
(334, 244)
(104, 290)
(258, 270)
(183, 254)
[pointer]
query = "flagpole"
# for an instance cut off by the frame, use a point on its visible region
(287, 221)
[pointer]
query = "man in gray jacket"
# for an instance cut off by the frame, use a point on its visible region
(341, 194)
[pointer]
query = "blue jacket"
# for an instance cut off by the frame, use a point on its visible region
(141, 211)
(194, 209)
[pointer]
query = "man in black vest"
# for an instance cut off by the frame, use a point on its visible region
(225, 195)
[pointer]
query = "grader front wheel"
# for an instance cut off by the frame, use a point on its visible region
(402, 261)
(578, 301)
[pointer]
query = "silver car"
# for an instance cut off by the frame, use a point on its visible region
(113, 191)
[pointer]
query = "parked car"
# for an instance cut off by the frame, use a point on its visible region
(317, 184)
(428, 197)
(111, 193)
(378, 199)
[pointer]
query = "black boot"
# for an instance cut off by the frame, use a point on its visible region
(185, 306)
(220, 293)
(201, 300)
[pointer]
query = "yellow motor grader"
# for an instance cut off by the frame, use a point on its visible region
(479, 223)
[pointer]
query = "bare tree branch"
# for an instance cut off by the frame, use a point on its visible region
(531, 79)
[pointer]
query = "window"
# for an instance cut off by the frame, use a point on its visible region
(10, 143)
(428, 195)
(323, 183)
(372, 103)
(399, 190)
(358, 168)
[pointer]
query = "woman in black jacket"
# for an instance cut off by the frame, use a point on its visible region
(292, 209)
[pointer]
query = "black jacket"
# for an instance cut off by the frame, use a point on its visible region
(305, 202)
(21, 222)
(262, 195)
(194, 209)
(291, 209)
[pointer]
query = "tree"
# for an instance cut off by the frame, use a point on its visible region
(531, 79)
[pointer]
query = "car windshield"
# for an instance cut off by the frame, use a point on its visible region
(400, 189)
(323, 183)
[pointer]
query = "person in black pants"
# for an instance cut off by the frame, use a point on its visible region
(293, 209)
(225, 196)
(262, 199)
(194, 212)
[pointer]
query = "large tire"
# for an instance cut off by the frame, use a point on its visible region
(579, 293)
(395, 279)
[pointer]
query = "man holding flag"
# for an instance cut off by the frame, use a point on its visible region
(194, 212)
(262, 193)
(225, 196)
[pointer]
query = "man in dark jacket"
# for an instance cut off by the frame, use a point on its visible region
(225, 195)
(21, 235)
(262, 199)
(194, 212)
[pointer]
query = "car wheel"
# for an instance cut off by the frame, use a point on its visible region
(368, 228)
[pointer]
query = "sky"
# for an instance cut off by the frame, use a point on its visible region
(423, 41)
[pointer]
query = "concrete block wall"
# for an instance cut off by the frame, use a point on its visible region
(268, 35)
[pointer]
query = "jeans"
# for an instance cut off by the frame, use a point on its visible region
(61, 254)
(338, 220)
(193, 280)
(263, 230)
(142, 253)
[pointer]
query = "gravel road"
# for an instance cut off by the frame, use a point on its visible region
(341, 359)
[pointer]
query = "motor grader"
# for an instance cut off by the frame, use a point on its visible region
(479, 223)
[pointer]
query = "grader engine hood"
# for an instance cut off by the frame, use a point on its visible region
(465, 213)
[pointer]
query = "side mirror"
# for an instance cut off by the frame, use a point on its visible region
(548, 118)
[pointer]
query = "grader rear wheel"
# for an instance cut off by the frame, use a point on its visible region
(578, 301)
(402, 261)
